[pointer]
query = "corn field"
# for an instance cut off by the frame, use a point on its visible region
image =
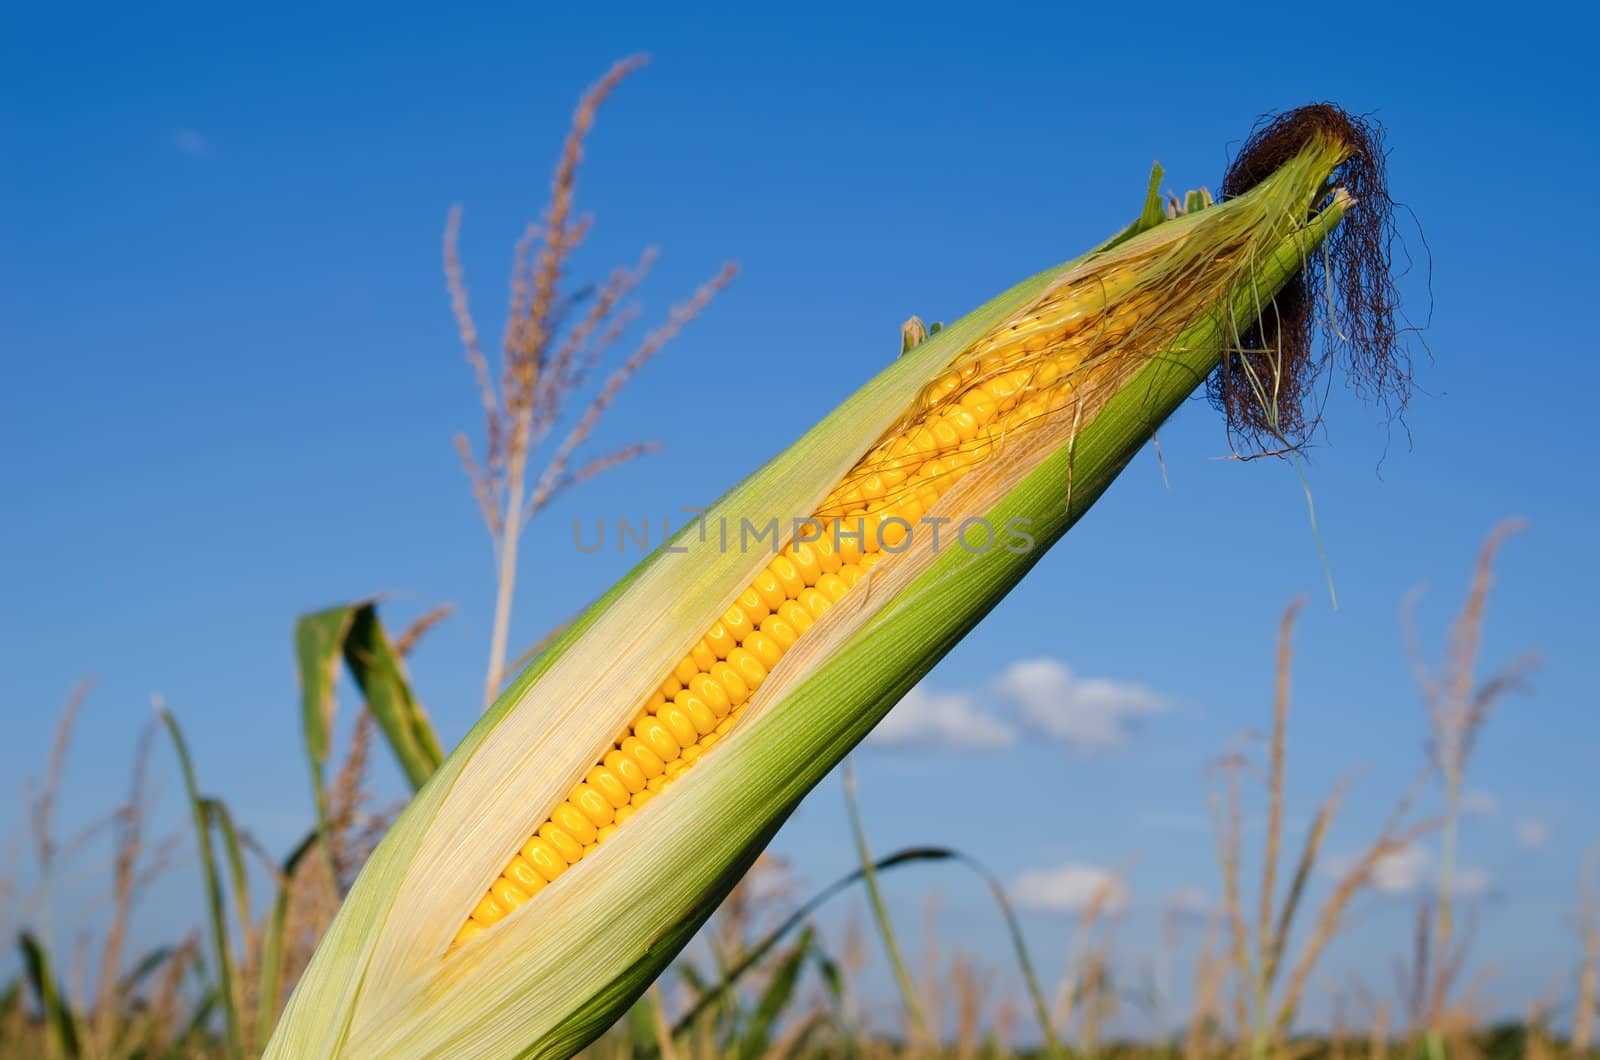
(586, 872)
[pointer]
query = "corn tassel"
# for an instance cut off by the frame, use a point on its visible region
(1096, 353)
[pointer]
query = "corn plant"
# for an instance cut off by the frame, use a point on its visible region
(581, 833)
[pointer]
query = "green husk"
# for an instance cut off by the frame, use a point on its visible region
(555, 974)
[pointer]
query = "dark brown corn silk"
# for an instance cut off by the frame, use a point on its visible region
(1271, 383)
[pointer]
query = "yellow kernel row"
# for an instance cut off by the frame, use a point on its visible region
(969, 410)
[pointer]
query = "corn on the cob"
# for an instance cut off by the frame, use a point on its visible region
(1007, 383)
(1028, 407)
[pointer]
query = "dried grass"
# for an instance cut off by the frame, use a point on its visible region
(554, 341)
(1458, 706)
(1588, 1000)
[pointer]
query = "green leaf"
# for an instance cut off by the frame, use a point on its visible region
(318, 641)
(129, 984)
(354, 633)
(318, 645)
(196, 1027)
(61, 1029)
(799, 1042)
(758, 952)
(377, 669)
(774, 999)
(642, 1026)
(270, 988)
(832, 975)
(227, 974)
(880, 911)
(833, 979)
(219, 817)
(1153, 213)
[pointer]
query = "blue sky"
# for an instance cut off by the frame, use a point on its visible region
(232, 380)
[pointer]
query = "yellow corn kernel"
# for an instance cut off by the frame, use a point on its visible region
(602, 779)
(593, 805)
(694, 708)
(755, 607)
(658, 737)
(834, 586)
(488, 910)
(626, 770)
(807, 563)
(788, 577)
(574, 822)
(737, 621)
(795, 613)
(524, 875)
(763, 647)
(676, 719)
(816, 602)
(545, 858)
(510, 895)
(770, 590)
(713, 694)
(964, 422)
(748, 667)
(781, 632)
(637, 751)
(562, 841)
(827, 548)
(720, 640)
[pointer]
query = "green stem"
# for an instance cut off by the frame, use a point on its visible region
(214, 901)
(880, 912)
(1041, 1008)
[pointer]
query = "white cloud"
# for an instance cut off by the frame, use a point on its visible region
(1069, 889)
(1039, 695)
(1402, 871)
(1191, 899)
(1411, 869)
(1532, 833)
(1089, 714)
(930, 719)
(191, 143)
(1479, 803)
(1471, 881)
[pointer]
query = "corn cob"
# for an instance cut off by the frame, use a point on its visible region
(1028, 407)
(1006, 384)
